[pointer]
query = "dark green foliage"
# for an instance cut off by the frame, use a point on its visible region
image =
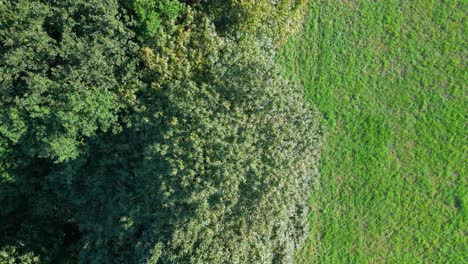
(189, 149)
(66, 72)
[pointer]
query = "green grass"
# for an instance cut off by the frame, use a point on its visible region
(390, 80)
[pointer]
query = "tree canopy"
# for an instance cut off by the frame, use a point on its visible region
(149, 132)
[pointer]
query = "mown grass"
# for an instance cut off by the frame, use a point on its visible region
(390, 79)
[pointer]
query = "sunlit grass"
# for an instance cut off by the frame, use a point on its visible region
(389, 78)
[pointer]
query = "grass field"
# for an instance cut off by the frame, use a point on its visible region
(390, 80)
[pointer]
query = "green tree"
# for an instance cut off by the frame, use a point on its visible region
(189, 148)
(229, 155)
(67, 74)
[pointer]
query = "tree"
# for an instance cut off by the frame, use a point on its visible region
(238, 154)
(228, 152)
(187, 148)
(67, 73)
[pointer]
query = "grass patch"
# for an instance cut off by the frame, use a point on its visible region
(389, 78)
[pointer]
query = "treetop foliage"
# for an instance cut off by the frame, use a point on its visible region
(147, 132)
(276, 20)
(64, 68)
